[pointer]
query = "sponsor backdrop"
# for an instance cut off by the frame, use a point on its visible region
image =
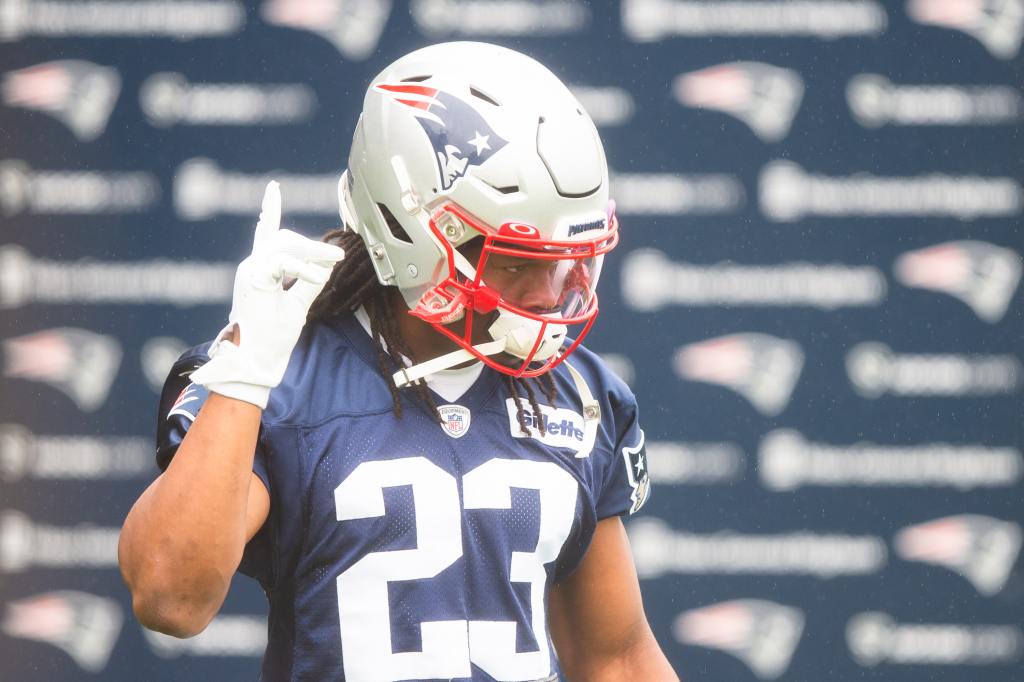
(816, 298)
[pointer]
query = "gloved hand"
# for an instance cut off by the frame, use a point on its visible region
(268, 317)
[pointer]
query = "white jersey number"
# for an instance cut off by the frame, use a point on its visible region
(448, 646)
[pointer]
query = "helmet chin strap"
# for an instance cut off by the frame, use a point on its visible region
(407, 376)
(512, 334)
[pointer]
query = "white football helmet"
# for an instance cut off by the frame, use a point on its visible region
(462, 141)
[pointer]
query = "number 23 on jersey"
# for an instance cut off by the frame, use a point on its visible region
(449, 646)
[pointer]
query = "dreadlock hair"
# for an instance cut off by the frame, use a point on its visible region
(353, 283)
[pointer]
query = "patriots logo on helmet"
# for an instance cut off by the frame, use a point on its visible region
(458, 133)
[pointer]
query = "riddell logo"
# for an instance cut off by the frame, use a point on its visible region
(996, 24)
(762, 368)
(982, 275)
(760, 633)
(980, 548)
(353, 26)
(763, 96)
(83, 625)
(77, 93)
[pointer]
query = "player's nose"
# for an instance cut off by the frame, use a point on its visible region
(538, 292)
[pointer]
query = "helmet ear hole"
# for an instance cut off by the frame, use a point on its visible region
(397, 231)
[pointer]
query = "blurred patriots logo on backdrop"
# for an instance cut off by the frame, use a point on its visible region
(83, 625)
(996, 24)
(157, 357)
(80, 363)
(982, 275)
(762, 368)
(760, 633)
(354, 27)
(458, 133)
(77, 93)
(980, 548)
(763, 96)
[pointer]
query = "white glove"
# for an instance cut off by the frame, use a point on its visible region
(268, 316)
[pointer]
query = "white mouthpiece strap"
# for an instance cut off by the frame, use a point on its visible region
(407, 376)
(591, 412)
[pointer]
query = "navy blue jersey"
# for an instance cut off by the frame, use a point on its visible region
(404, 549)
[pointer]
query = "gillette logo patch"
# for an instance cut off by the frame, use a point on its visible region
(562, 428)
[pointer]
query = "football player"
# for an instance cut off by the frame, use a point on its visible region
(395, 434)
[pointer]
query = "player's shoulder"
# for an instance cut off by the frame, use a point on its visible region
(180, 402)
(330, 373)
(178, 377)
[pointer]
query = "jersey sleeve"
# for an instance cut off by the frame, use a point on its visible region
(626, 485)
(180, 402)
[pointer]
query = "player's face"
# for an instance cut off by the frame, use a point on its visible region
(523, 282)
(526, 283)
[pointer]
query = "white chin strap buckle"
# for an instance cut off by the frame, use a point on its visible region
(520, 334)
(513, 334)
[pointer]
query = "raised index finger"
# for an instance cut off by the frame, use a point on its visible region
(270, 215)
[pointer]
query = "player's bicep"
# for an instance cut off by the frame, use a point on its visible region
(258, 507)
(597, 611)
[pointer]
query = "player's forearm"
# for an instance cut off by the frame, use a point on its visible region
(184, 538)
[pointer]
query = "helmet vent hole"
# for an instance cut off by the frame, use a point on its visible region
(397, 231)
(415, 79)
(481, 95)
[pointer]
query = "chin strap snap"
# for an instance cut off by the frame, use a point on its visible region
(591, 411)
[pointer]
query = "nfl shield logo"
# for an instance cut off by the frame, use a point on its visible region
(454, 419)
